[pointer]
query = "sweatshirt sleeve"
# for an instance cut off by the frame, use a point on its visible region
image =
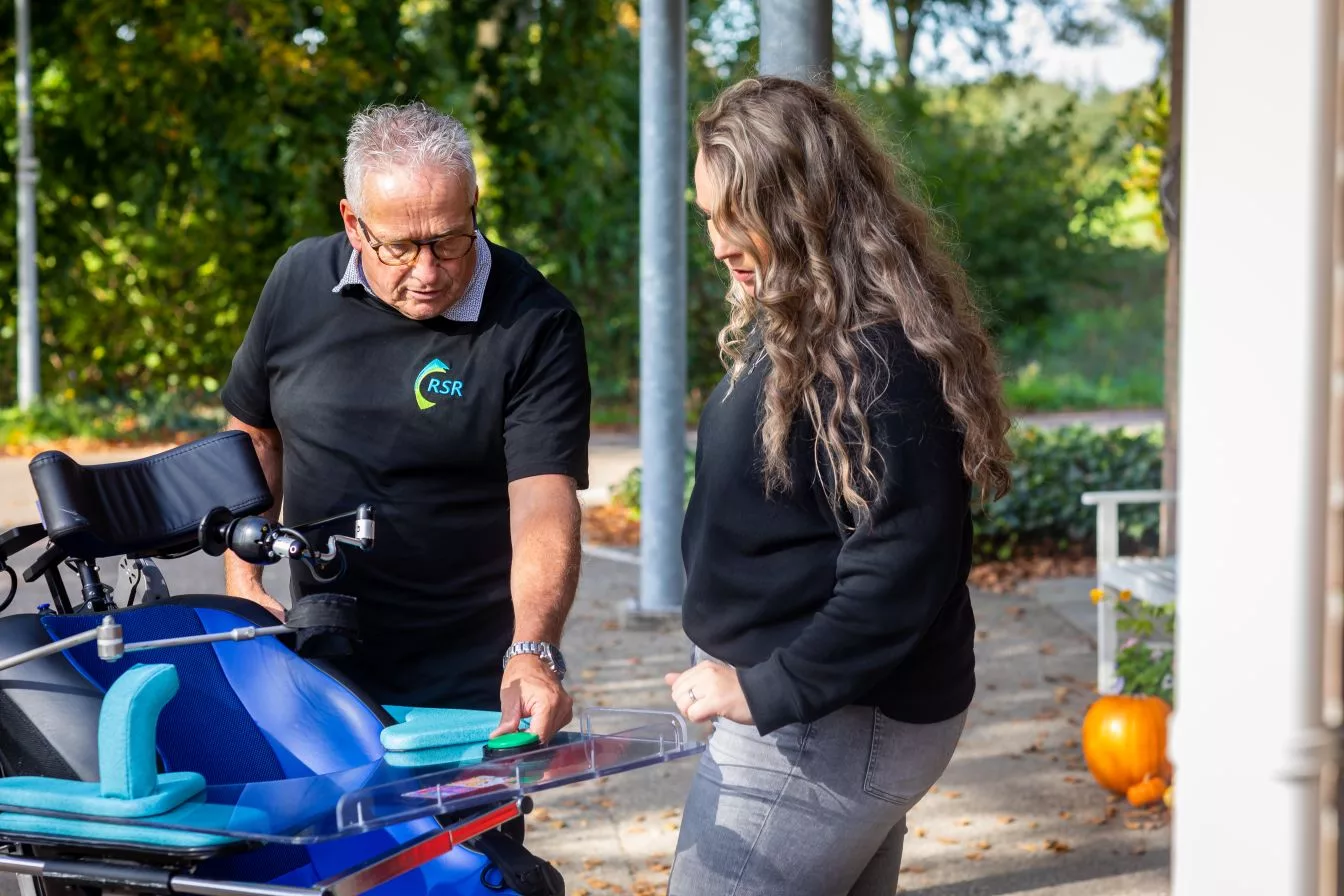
(893, 575)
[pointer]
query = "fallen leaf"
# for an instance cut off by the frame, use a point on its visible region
(950, 841)
(1058, 846)
(974, 856)
(963, 823)
(1065, 814)
(1061, 694)
(1006, 819)
(953, 794)
(541, 815)
(921, 832)
(590, 863)
(1047, 649)
(912, 869)
(983, 845)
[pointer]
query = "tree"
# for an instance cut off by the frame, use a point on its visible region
(981, 26)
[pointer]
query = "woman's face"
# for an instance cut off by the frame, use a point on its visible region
(741, 261)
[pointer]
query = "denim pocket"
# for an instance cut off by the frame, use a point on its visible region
(905, 760)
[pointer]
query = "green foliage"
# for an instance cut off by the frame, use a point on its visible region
(1016, 186)
(983, 28)
(1051, 470)
(133, 418)
(183, 146)
(627, 492)
(1145, 661)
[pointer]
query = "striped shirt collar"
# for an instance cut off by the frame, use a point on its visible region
(466, 309)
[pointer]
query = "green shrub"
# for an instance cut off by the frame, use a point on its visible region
(1051, 470)
(1145, 663)
(139, 418)
(627, 492)
(1043, 512)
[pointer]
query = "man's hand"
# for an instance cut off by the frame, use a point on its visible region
(262, 598)
(709, 689)
(531, 690)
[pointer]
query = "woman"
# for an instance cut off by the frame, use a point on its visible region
(828, 538)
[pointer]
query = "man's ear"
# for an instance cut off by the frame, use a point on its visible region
(351, 222)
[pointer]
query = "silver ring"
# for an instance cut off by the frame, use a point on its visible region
(691, 691)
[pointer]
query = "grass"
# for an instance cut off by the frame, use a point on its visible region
(1103, 349)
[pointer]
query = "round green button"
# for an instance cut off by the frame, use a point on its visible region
(512, 740)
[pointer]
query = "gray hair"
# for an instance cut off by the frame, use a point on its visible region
(410, 136)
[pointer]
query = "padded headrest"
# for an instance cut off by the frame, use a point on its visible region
(148, 506)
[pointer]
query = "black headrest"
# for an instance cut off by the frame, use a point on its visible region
(150, 506)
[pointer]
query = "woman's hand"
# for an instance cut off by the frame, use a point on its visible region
(709, 689)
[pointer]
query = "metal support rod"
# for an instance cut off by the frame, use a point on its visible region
(662, 300)
(246, 633)
(29, 385)
(48, 649)
(111, 647)
(796, 39)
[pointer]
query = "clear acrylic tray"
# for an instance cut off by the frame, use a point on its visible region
(379, 794)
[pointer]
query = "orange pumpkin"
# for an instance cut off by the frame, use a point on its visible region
(1147, 791)
(1125, 740)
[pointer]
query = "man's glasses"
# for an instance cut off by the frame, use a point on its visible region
(401, 253)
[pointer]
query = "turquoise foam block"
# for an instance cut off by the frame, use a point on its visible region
(86, 798)
(434, 728)
(399, 713)
(456, 754)
(127, 724)
(201, 815)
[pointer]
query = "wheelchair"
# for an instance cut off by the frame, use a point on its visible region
(195, 744)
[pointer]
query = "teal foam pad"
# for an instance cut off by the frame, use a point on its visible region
(127, 724)
(435, 728)
(399, 713)
(455, 754)
(86, 797)
(205, 815)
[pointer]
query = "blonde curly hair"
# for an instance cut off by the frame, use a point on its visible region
(843, 251)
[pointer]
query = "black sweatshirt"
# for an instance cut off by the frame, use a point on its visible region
(816, 615)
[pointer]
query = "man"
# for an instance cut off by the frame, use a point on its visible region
(411, 364)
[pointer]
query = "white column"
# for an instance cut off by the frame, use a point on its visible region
(1255, 293)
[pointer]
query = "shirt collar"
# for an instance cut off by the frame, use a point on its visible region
(466, 309)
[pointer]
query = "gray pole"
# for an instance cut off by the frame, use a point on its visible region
(796, 39)
(662, 301)
(28, 342)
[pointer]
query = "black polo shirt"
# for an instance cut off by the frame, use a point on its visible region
(429, 421)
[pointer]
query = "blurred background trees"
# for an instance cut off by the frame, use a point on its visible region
(185, 143)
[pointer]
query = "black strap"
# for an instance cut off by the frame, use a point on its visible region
(325, 625)
(513, 867)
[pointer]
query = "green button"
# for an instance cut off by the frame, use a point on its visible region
(512, 740)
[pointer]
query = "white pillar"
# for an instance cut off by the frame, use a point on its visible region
(1255, 291)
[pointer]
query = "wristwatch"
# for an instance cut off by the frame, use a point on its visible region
(549, 653)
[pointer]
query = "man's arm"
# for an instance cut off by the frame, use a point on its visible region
(243, 579)
(544, 524)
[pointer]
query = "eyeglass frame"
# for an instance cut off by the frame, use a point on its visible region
(375, 244)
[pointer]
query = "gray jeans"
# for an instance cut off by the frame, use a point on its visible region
(809, 809)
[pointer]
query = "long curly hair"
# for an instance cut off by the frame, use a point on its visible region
(843, 251)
